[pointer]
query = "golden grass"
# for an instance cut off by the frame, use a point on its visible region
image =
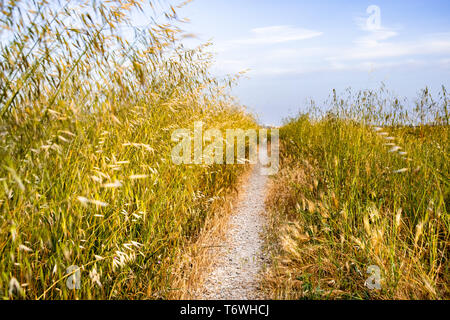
(86, 176)
(199, 256)
(351, 195)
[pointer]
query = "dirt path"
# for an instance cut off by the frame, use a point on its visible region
(235, 274)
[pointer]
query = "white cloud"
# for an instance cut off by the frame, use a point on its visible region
(378, 44)
(394, 49)
(375, 36)
(370, 66)
(376, 48)
(231, 66)
(277, 34)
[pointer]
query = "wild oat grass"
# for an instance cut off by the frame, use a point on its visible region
(366, 183)
(86, 176)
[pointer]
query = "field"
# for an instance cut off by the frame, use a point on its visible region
(89, 189)
(87, 180)
(363, 193)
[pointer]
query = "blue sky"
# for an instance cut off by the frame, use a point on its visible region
(297, 50)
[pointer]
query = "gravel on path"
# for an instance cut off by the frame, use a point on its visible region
(235, 274)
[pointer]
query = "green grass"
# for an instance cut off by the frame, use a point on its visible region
(348, 197)
(86, 176)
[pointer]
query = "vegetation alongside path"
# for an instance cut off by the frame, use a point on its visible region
(353, 198)
(91, 200)
(86, 179)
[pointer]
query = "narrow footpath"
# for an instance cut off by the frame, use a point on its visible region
(240, 260)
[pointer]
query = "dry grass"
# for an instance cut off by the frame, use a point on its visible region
(351, 195)
(86, 177)
(199, 256)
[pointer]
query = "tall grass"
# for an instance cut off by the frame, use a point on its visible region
(364, 183)
(87, 111)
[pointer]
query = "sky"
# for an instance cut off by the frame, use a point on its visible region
(300, 50)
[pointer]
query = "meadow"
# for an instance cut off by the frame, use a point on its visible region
(88, 189)
(362, 198)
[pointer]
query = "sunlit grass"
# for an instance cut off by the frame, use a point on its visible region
(358, 189)
(86, 173)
